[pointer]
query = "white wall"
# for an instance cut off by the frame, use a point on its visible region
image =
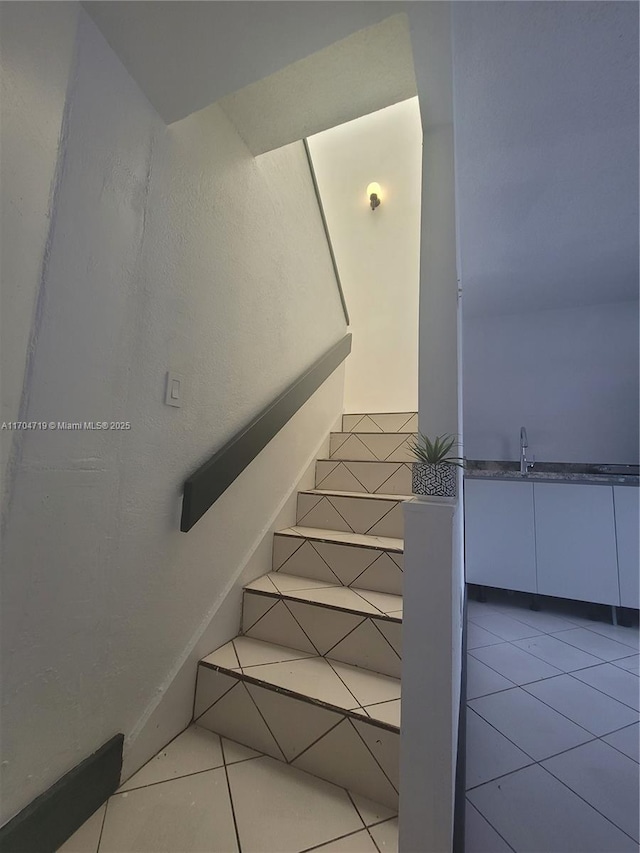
(171, 248)
(569, 376)
(186, 57)
(377, 252)
(433, 555)
(32, 94)
(365, 72)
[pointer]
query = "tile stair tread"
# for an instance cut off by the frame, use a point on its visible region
(363, 461)
(364, 540)
(331, 596)
(360, 495)
(398, 434)
(359, 692)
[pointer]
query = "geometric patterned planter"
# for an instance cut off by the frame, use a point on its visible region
(437, 480)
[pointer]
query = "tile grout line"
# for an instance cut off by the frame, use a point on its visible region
(264, 720)
(290, 595)
(206, 710)
(327, 498)
(233, 811)
(360, 705)
(533, 760)
(384, 772)
(348, 634)
(104, 820)
(253, 624)
(481, 813)
(395, 651)
(604, 693)
(324, 844)
(335, 468)
(537, 681)
(357, 479)
(313, 743)
(181, 776)
(373, 562)
(569, 718)
(310, 541)
(382, 517)
(553, 635)
(380, 612)
(356, 808)
(311, 509)
(602, 738)
(591, 806)
(313, 645)
(574, 625)
(290, 555)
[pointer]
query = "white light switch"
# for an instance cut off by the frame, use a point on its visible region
(173, 393)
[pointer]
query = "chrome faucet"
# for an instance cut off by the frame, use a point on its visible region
(525, 464)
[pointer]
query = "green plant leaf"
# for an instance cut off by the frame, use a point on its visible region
(436, 451)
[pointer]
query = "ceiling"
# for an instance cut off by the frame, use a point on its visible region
(546, 126)
(356, 76)
(545, 115)
(187, 54)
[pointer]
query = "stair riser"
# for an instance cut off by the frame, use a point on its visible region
(400, 422)
(385, 478)
(373, 516)
(367, 568)
(322, 741)
(371, 447)
(363, 641)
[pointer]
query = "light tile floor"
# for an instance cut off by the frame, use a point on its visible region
(552, 760)
(552, 730)
(206, 794)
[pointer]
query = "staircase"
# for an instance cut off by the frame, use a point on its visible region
(314, 677)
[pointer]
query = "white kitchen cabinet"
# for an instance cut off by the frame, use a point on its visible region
(627, 513)
(576, 542)
(499, 534)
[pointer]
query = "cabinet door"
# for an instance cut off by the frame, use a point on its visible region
(575, 542)
(499, 537)
(627, 509)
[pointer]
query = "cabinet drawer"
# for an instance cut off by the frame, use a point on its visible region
(627, 510)
(576, 542)
(499, 535)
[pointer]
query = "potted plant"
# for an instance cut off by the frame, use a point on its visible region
(434, 473)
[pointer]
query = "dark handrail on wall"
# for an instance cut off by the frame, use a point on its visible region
(204, 486)
(326, 232)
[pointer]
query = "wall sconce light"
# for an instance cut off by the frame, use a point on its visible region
(374, 192)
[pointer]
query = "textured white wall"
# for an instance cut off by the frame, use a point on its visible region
(33, 88)
(570, 376)
(172, 248)
(365, 72)
(433, 535)
(185, 57)
(377, 252)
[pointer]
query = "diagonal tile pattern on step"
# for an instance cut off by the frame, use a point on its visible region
(391, 478)
(250, 802)
(381, 422)
(371, 447)
(342, 562)
(350, 512)
(291, 710)
(317, 666)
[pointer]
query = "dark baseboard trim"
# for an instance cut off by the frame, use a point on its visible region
(53, 817)
(460, 803)
(204, 486)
